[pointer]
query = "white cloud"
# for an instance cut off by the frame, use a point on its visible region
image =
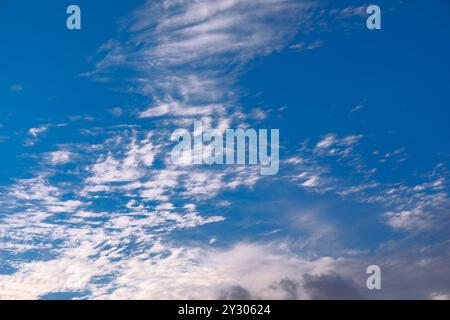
(34, 189)
(307, 46)
(207, 30)
(413, 207)
(180, 52)
(407, 219)
(36, 132)
(131, 167)
(327, 142)
(440, 296)
(71, 272)
(349, 12)
(311, 182)
(195, 273)
(189, 58)
(39, 193)
(116, 112)
(60, 157)
(17, 88)
(64, 206)
(176, 108)
(358, 107)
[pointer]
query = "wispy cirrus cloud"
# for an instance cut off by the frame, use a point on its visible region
(107, 227)
(416, 205)
(305, 46)
(196, 48)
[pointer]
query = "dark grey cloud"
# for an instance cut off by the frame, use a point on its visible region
(235, 293)
(416, 271)
(330, 287)
(291, 288)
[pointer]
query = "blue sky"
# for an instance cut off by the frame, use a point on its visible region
(90, 206)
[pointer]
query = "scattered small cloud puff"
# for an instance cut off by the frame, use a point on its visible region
(60, 157)
(358, 107)
(116, 112)
(16, 88)
(34, 134)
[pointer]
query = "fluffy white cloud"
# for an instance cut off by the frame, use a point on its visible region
(60, 157)
(35, 132)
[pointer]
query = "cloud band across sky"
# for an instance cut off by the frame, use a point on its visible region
(101, 211)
